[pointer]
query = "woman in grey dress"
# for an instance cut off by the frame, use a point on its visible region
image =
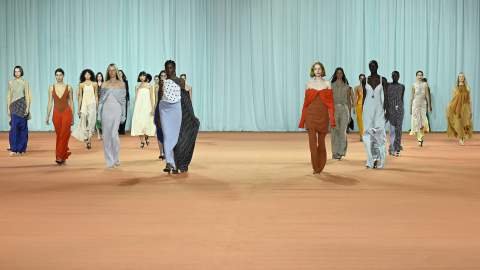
(342, 98)
(111, 113)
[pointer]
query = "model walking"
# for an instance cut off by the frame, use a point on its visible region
(62, 97)
(87, 102)
(459, 113)
(142, 120)
(317, 113)
(112, 112)
(19, 100)
(342, 99)
(374, 117)
(419, 104)
(395, 109)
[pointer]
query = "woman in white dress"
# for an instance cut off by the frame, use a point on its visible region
(419, 104)
(142, 120)
(88, 103)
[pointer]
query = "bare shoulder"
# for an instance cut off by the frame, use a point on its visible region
(328, 84)
(308, 84)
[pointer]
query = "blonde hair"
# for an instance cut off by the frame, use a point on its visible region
(107, 74)
(312, 72)
(464, 81)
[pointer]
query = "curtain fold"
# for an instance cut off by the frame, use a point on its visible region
(248, 61)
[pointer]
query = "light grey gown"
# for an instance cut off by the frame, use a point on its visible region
(374, 137)
(111, 112)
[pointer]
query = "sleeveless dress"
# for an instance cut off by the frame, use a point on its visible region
(395, 111)
(358, 108)
(88, 115)
(62, 120)
(419, 109)
(142, 120)
(374, 136)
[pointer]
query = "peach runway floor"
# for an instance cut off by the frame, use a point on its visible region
(248, 202)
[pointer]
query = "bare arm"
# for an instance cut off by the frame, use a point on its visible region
(49, 106)
(411, 99)
(428, 97)
(355, 96)
(79, 97)
(9, 98)
(95, 91)
(350, 100)
(70, 97)
(152, 98)
(28, 97)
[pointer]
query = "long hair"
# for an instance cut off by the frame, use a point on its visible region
(89, 71)
(334, 76)
(117, 75)
(96, 76)
(464, 81)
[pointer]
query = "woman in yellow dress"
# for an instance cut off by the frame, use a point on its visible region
(459, 113)
(358, 100)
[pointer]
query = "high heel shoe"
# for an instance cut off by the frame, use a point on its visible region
(142, 145)
(420, 143)
(89, 145)
(146, 141)
(161, 157)
(170, 169)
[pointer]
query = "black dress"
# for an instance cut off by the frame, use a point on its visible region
(183, 151)
(156, 118)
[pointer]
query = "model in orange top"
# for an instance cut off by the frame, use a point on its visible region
(62, 97)
(318, 112)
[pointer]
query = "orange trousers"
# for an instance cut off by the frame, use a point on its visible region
(62, 121)
(318, 151)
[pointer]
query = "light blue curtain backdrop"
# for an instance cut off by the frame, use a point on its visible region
(247, 60)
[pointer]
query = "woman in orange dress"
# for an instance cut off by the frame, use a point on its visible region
(317, 113)
(62, 97)
(459, 113)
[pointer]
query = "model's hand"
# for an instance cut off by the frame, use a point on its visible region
(47, 120)
(79, 114)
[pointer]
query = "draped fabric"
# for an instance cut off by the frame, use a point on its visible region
(248, 61)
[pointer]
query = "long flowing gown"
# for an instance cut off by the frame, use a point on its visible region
(374, 124)
(459, 114)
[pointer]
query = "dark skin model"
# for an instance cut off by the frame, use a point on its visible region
(374, 80)
(395, 78)
(172, 75)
